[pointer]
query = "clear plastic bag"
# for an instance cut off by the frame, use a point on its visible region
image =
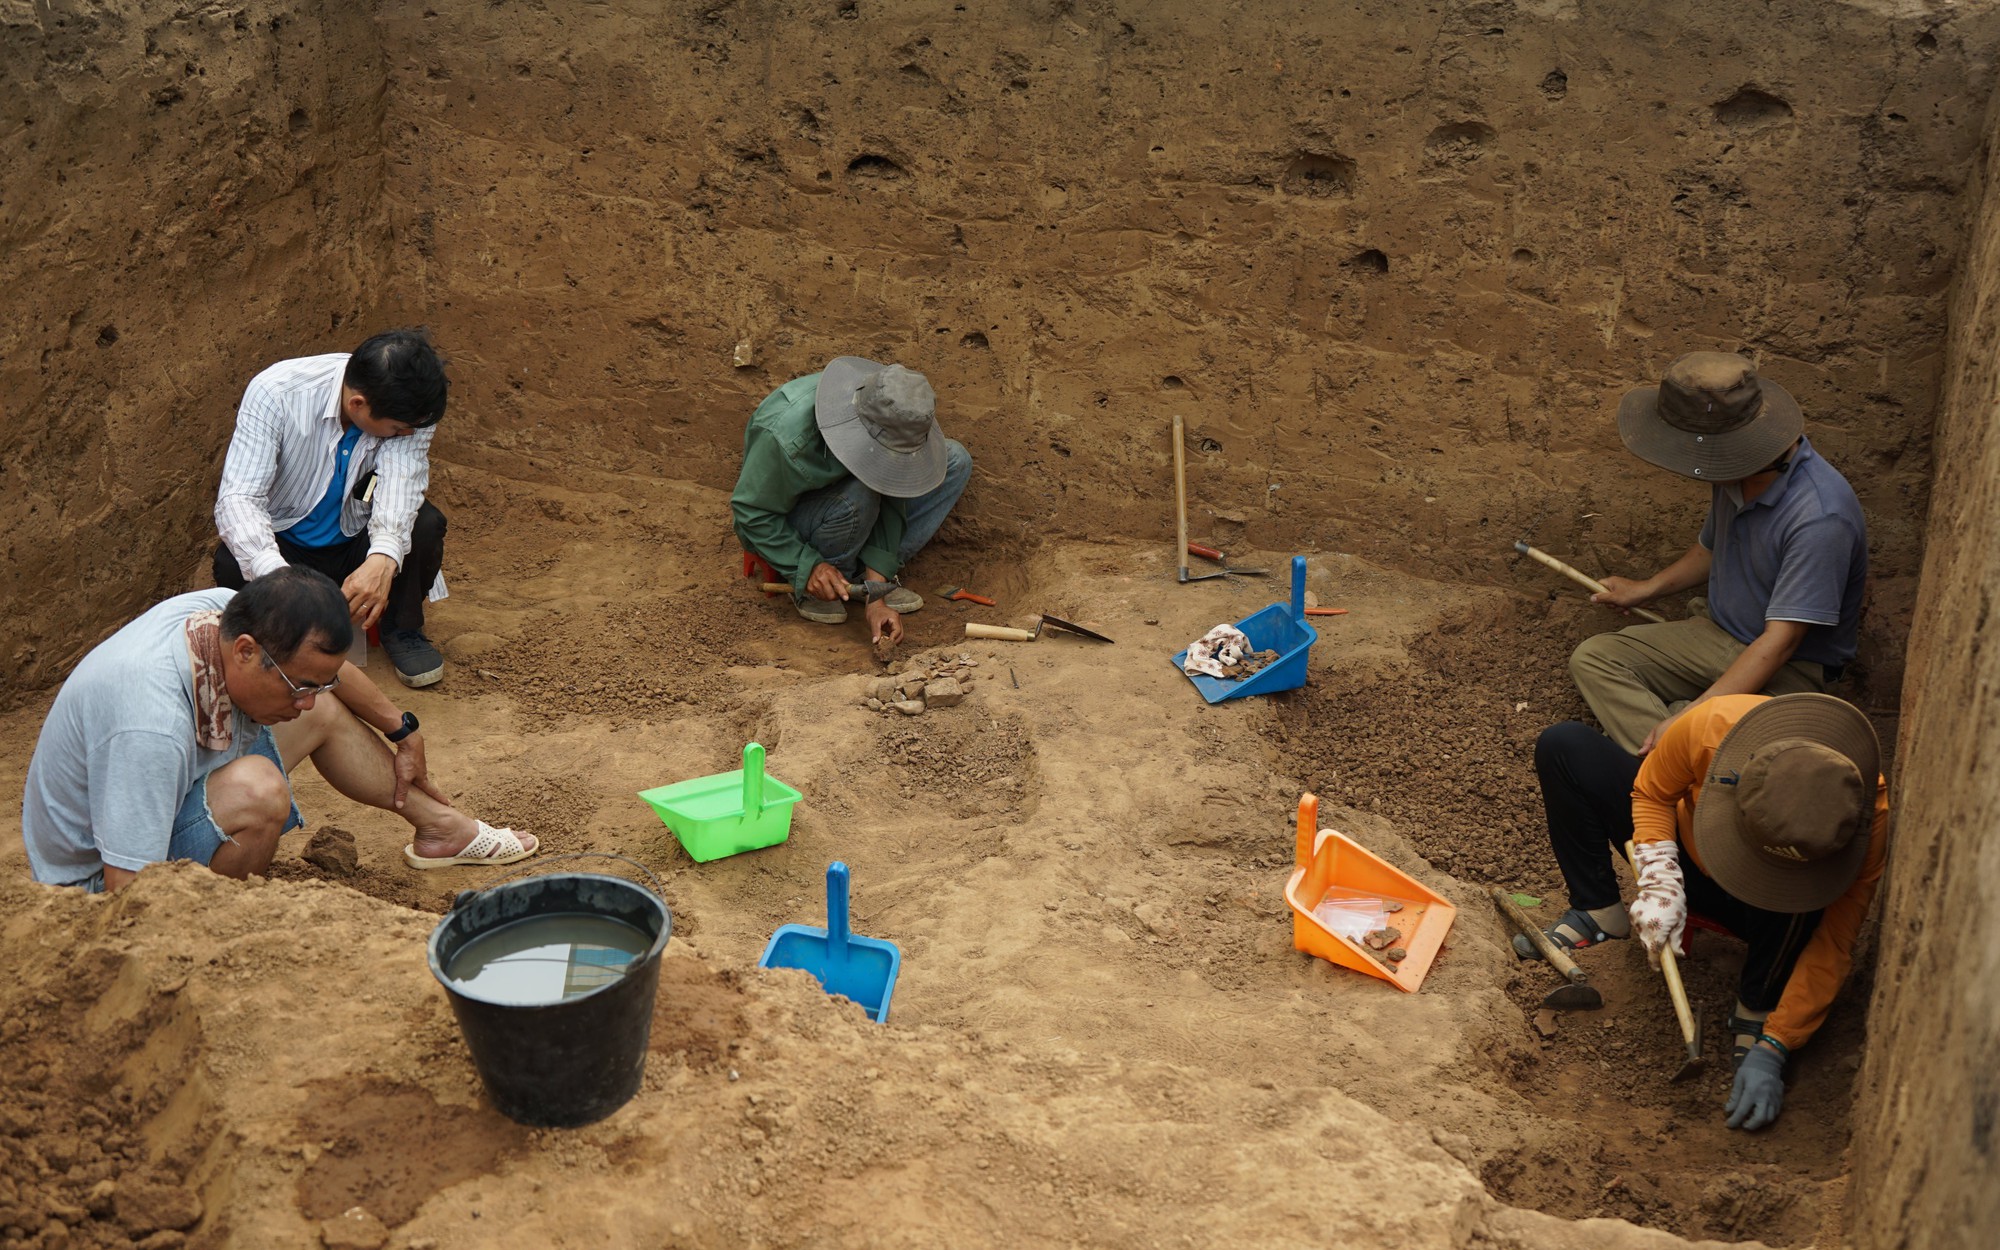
(1349, 914)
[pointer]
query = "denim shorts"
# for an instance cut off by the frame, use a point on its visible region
(196, 836)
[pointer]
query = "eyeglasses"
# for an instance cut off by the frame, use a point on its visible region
(298, 691)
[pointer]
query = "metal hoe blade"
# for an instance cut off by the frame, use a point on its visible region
(1579, 997)
(1056, 622)
(1696, 1061)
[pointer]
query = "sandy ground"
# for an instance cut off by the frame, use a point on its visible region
(1101, 1033)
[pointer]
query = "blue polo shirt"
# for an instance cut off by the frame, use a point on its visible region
(1799, 552)
(321, 527)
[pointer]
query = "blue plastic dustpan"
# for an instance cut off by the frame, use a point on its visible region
(1281, 628)
(860, 969)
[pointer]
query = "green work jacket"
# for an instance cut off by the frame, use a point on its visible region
(784, 458)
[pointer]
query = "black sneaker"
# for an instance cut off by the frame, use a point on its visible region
(416, 661)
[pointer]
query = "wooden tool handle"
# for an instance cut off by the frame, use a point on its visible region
(772, 588)
(1560, 961)
(974, 629)
(1206, 553)
(1180, 492)
(1326, 611)
(1581, 578)
(1670, 968)
(969, 597)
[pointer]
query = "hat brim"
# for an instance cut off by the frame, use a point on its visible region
(898, 474)
(1726, 457)
(1727, 851)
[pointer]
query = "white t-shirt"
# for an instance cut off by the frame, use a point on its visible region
(118, 753)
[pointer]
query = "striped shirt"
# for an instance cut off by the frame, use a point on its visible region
(281, 461)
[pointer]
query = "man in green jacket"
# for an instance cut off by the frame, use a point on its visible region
(845, 477)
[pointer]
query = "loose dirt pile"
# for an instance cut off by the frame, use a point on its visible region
(1082, 863)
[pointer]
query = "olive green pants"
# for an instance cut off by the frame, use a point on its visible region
(1638, 676)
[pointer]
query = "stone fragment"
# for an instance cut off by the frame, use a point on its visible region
(353, 1229)
(1382, 939)
(331, 850)
(944, 692)
(1545, 1022)
(1397, 954)
(909, 707)
(886, 689)
(872, 704)
(913, 685)
(146, 1208)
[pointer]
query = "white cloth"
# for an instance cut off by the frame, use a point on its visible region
(118, 750)
(282, 458)
(1220, 648)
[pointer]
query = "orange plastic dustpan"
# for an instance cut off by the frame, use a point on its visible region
(1333, 862)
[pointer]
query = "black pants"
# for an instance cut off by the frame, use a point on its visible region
(1587, 790)
(405, 609)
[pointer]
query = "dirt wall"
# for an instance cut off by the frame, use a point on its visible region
(1927, 1126)
(191, 192)
(1395, 263)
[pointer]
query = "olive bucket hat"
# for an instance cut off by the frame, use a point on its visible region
(1710, 418)
(880, 421)
(1788, 806)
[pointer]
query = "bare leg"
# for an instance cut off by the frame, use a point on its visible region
(249, 800)
(360, 765)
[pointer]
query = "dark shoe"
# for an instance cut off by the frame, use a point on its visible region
(1574, 931)
(416, 661)
(824, 611)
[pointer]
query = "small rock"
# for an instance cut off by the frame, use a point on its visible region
(1157, 919)
(745, 355)
(885, 690)
(1152, 620)
(98, 1201)
(353, 1229)
(1545, 1022)
(944, 692)
(147, 1208)
(331, 850)
(1382, 939)
(909, 707)
(912, 686)
(1397, 954)
(1392, 907)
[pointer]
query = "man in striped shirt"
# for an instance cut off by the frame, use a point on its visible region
(327, 470)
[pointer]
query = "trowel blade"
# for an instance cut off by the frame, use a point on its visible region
(1574, 998)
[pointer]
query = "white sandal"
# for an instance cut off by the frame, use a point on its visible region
(489, 846)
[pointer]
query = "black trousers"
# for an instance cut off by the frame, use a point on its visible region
(1587, 791)
(405, 609)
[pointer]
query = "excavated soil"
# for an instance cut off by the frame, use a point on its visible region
(1082, 863)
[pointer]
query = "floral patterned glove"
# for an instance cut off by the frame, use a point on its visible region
(1660, 912)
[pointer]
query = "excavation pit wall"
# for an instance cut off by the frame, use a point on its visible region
(1393, 267)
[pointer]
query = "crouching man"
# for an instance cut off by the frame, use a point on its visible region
(174, 738)
(1766, 815)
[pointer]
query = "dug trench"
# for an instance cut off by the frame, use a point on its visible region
(1082, 863)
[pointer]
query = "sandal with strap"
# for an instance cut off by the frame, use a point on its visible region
(489, 846)
(1740, 1027)
(1578, 922)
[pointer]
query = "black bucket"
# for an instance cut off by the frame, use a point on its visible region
(567, 1063)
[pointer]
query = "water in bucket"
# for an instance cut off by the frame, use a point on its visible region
(546, 959)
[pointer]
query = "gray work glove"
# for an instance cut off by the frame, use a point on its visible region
(1759, 1092)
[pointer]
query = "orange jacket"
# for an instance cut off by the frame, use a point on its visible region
(1663, 800)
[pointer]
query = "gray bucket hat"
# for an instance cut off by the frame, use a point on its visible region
(881, 422)
(1711, 418)
(1788, 806)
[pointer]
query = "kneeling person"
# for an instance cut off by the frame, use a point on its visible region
(327, 470)
(173, 738)
(1766, 815)
(846, 476)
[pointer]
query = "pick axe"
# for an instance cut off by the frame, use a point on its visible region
(1579, 994)
(1688, 1018)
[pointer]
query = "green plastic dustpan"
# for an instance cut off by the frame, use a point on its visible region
(727, 813)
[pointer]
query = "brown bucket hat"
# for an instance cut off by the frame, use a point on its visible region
(1788, 806)
(1710, 418)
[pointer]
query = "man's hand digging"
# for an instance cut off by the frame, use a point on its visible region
(825, 582)
(884, 622)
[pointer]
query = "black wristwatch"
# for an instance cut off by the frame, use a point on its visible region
(409, 727)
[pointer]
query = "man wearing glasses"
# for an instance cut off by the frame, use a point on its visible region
(174, 737)
(327, 470)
